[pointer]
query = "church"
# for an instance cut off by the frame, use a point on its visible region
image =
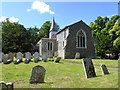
(65, 43)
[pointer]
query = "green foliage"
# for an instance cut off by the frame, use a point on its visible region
(115, 32)
(103, 41)
(14, 37)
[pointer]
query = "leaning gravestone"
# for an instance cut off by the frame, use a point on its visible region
(104, 69)
(27, 57)
(89, 68)
(37, 75)
(58, 59)
(36, 57)
(19, 58)
(44, 57)
(77, 55)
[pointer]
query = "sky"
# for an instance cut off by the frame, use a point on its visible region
(35, 13)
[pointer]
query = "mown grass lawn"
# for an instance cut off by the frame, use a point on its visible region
(60, 75)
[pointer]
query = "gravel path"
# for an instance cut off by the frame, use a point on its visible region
(94, 66)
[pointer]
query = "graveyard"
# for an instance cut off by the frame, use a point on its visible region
(68, 73)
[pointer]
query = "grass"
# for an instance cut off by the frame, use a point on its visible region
(60, 75)
(96, 62)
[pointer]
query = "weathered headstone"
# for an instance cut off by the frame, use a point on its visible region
(58, 59)
(19, 58)
(27, 57)
(37, 75)
(88, 67)
(119, 56)
(77, 55)
(1, 57)
(10, 57)
(5, 61)
(55, 54)
(44, 57)
(104, 69)
(36, 57)
(6, 86)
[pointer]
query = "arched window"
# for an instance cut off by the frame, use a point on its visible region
(81, 39)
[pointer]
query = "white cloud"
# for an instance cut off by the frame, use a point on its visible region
(40, 7)
(3, 18)
(11, 19)
(28, 10)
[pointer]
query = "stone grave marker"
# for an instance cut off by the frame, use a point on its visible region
(119, 56)
(77, 55)
(19, 58)
(37, 75)
(10, 57)
(55, 54)
(44, 57)
(57, 59)
(104, 69)
(1, 57)
(36, 57)
(5, 61)
(6, 86)
(27, 57)
(88, 67)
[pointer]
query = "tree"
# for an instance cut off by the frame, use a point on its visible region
(103, 41)
(115, 33)
(14, 37)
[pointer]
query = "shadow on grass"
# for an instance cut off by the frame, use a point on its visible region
(43, 83)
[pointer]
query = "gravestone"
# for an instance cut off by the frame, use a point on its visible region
(104, 69)
(37, 75)
(10, 57)
(1, 57)
(5, 61)
(36, 57)
(44, 57)
(27, 57)
(55, 54)
(88, 67)
(119, 56)
(77, 55)
(6, 86)
(57, 59)
(19, 58)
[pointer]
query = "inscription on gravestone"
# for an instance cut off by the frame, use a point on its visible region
(37, 75)
(88, 67)
(104, 69)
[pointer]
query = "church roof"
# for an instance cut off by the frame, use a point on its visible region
(53, 26)
(67, 27)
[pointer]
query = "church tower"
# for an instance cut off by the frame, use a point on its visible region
(119, 8)
(53, 29)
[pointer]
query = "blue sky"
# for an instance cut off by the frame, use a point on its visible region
(65, 13)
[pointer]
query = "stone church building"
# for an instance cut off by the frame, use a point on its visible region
(70, 40)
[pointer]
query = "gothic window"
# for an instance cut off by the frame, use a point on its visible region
(50, 46)
(81, 39)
